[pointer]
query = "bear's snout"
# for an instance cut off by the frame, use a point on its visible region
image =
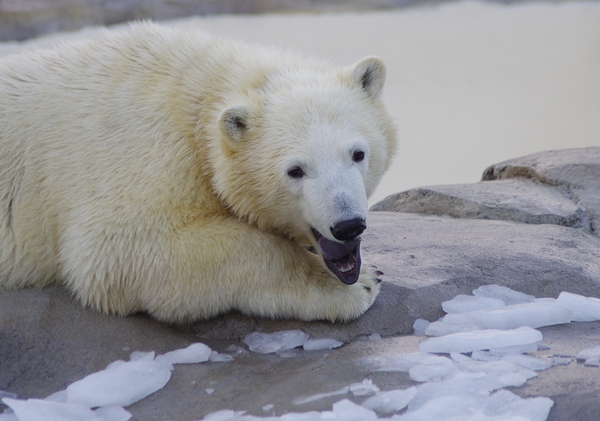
(348, 230)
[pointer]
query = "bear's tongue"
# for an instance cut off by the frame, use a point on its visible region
(343, 259)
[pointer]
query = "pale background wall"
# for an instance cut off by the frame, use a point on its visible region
(470, 83)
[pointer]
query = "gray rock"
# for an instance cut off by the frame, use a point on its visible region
(47, 340)
(557, 187)
(516, 200)
(577, 170)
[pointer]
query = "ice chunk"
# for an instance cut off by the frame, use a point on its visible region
(542, 347)
(195, 353)
(365, 388)
(512, 379)
(466, 303)
(268, 407)
(349, 411)
(419, 326)
(585, 309)
(38, 410)
(561, 361)
(238, 350)
(266, 343)
(507, 405)
(121, 383)
(391, 401)
(215, 357)
(513, 316)
(432, 368)
(8, 415)
(481, 339)
(442, 329)
(113, 413)
(319, 344)
(588, 353)
(495, 369)
(467, 396)
(318, 396)
(463, 384)
(58, 396)
(507, 295)
(459, 358)
(529, 361)
(374, 337)
(485, 356)
(448, 407)
(594, 362)
(515, 349)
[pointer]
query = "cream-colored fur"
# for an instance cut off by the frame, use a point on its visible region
(144, 169)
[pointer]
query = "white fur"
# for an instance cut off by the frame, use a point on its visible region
(147, 169)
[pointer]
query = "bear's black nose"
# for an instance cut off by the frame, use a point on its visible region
(348, 230)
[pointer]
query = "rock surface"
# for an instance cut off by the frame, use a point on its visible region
(544, 245)
(577, 170)
(554, 187)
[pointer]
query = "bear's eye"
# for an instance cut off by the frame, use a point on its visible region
(358, 156)
(296, 172)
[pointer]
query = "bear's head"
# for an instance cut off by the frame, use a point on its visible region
(300, 154)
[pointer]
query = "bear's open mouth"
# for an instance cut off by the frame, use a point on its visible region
(343, 259)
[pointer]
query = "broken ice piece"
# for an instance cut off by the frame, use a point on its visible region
(320, 344)
(374, 337)
(113, 413)
(38, 409)
(366, 387)
(588, 353)
(595, 362)
(505, 294)
(480, 339)
(485, 356)
(529, 361)
(515, 349)
(391, 401)
(459, 358)
(349, 411)
(419, 326)
(120, 384)
(432, 368)
(513, 316)
(465, 303)
(561, 361)
(267, 343)
(195, 353)
(585, 309)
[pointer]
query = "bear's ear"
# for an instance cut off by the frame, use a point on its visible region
(369, 73)
(233, 121)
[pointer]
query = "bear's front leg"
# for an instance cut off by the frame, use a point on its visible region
(226, 264)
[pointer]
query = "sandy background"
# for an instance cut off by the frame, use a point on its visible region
(469, 83)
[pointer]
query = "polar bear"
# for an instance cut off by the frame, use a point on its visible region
(160, 170)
